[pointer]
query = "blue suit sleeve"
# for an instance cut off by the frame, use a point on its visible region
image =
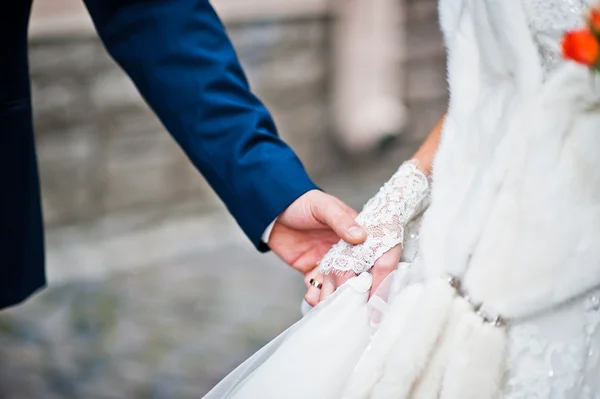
(181, 60)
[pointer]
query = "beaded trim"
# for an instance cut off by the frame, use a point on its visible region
(496, 321)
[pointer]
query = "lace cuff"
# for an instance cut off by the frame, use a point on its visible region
(383, 217)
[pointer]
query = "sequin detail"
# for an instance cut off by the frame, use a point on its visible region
(548, 21)
(556, 355)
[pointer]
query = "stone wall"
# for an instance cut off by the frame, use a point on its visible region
(426, 87)
(154, 292)
(102, 150)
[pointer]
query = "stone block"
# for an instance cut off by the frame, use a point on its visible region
(81, 56)
(119, 123)
(424, 41)
(419, 11)
(139, 186)
(423, 117)
(140, 170)
(69, 164)
(150, 148)
(58, 102)
(426, 80)
(112, 89)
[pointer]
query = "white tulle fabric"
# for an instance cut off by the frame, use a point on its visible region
(312, 359)
(384, 218)
(347, 347)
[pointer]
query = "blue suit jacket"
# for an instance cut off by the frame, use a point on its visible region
(181, 60)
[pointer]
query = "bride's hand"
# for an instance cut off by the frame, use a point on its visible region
(405, 185)
(383, 266)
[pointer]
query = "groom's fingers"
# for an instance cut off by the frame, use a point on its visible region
(349, 210)
(330, 212)
(312, 292)
(387, 263)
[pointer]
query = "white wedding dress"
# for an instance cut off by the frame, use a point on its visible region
(514, 221)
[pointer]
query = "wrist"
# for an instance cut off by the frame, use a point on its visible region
(276, 197)
(384, 218)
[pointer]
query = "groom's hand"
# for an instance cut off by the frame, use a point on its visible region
(308, 228)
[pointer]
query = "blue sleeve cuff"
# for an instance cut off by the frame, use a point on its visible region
(275, 194)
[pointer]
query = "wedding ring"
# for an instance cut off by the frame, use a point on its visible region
(315, 283)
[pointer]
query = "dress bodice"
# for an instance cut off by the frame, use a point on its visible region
(503, 134)
(548, 20)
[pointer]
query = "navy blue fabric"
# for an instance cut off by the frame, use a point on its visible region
(181, 60)
(21, 238)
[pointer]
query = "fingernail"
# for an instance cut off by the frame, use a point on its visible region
(356, 232)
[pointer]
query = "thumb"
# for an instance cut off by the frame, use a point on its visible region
(328, 211)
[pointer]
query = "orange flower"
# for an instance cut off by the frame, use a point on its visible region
(594, 20)
(581, 46)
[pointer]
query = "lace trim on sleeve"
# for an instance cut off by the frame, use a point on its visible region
(383, 217)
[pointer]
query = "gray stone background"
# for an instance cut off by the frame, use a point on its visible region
(154, 292)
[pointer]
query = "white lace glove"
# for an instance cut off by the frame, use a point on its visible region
(383, 217)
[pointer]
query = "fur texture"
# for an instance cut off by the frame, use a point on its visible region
(475, 368)
(515, 209)
(429, 385)
(516, 195)
(415, 344)
(371, 366)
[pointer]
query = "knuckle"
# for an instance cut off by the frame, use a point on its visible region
(341, 220)
(306, 269)
(316, 205)
(384, 266)
(387, 262)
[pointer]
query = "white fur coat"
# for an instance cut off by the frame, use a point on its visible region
(516, 196)
(515, 212)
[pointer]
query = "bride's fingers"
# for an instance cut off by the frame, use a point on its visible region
(330, 283)
(340, 278)
(387, 263)
(312, 291)
(333, 281)
(327, 289)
